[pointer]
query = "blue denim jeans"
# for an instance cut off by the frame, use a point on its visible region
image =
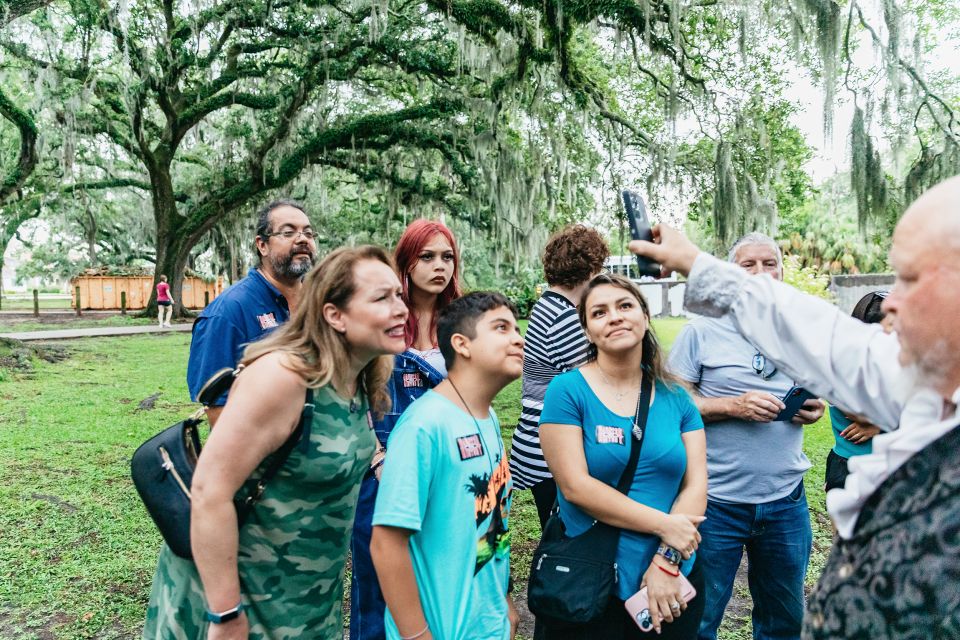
(366, 600)
(777, 536)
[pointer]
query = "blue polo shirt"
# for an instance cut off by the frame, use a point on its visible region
(243, 313)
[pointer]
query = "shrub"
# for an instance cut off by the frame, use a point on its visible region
(807, 279)
(523, 290)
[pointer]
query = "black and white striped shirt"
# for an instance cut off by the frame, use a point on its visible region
(554, 343)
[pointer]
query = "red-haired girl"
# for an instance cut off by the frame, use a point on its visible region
(428, 265)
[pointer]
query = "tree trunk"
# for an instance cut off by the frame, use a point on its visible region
(174, 254)
(90, 230)
(171, 254)
(3, 249)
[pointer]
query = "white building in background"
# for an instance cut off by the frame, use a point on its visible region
(664, 296)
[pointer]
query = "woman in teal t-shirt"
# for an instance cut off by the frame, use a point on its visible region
(854, 437)
(586, 429)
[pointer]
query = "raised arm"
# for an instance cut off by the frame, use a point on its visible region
(827, 352)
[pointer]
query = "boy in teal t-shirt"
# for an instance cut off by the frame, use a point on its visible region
(441, 540)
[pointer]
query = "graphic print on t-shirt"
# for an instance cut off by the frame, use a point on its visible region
(492, 495)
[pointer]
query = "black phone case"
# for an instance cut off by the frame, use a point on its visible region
(794, 402)
(640, 230)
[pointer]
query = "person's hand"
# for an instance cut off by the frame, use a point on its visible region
(758, 406)
(664, 594)
(513, 616)
(679, 531)
(670, 248)
(377, 463)
(858, 433)
(236, 629)
(811, 411)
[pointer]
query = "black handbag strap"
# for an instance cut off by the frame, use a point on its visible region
(640, 424)
(306, 415)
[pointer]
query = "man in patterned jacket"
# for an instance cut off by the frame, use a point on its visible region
(896, 569)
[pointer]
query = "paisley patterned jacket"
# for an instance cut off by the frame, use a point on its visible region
(899, 575)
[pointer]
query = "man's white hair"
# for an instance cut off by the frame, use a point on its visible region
(755, 238)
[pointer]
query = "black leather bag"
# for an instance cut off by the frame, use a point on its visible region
(163, 466)
(572, 579)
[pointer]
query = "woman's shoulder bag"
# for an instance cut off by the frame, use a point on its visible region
(163, 466)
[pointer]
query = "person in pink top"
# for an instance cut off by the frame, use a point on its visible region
(164, 302)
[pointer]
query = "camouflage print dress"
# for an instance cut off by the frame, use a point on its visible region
(293, 545)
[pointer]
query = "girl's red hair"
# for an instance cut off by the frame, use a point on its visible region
(417, 234)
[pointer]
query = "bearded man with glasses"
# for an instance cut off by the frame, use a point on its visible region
(260, 302)
(755, 464)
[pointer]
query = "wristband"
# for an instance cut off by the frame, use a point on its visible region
(669, 554)
(224, 616)
(416, 635)
(675, 574)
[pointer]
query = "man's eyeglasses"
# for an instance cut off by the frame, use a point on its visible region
(290, 234)
(759, 364)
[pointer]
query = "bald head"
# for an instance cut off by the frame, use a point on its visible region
(935, 217)
(923, 302)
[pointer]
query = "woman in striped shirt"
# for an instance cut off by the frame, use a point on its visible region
(554, 343)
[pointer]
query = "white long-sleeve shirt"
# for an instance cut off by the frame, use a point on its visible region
(835, 356)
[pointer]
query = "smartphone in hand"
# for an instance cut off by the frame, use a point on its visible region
(793, 400)
(640, 229)
(638, 605)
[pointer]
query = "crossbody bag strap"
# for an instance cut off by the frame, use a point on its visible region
(306, 415)
(640, 420)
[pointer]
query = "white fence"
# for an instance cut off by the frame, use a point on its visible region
(665, 297)
(849, 289)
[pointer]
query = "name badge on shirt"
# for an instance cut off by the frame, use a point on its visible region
(412, 380)
(267, 321)
(609, 435)
(470, 447)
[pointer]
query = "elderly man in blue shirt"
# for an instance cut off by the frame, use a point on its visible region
(258, 303)
(755, 463)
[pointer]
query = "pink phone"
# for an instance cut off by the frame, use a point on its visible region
(639, 609)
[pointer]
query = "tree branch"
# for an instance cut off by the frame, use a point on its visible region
(27, 158)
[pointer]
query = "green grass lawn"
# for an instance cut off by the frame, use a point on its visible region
(8, 324)
(78, 549)
(25, 302)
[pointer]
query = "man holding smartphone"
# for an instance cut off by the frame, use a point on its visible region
(755, 464)
(894, 571)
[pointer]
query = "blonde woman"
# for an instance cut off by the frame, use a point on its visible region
(280, 574)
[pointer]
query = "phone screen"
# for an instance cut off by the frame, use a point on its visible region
(640, 229)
